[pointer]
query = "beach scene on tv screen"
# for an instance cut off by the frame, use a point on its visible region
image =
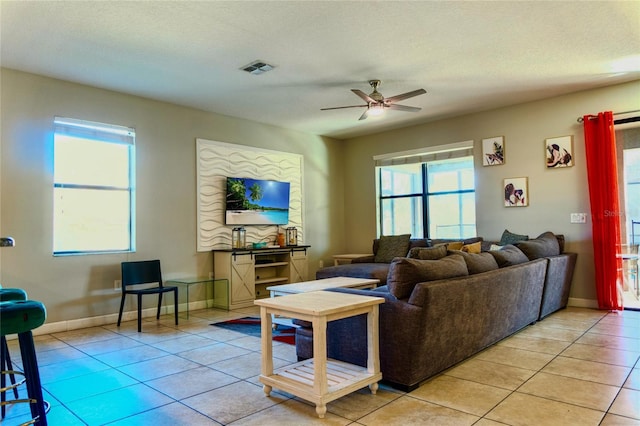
(257, 202)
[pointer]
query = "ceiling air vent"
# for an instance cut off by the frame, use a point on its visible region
(257, 67)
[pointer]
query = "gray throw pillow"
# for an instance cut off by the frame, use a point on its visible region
(544, 246)
(428, 253)
(509, 255)
(478, 262)
(392, 246)
(511, 238)
(405, 273)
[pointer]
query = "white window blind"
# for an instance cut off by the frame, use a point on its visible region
(94, 177)
(424, 155)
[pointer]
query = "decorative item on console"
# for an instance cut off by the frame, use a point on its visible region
(292, 236)
(238, 238)
(7, 242)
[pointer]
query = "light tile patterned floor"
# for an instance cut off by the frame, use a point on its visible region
(576, 367)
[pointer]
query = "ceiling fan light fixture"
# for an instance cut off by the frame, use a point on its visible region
(376, 109)
(376, 103)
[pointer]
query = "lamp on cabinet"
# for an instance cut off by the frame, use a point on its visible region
(292, 236)
(7, 242)
(238, 238)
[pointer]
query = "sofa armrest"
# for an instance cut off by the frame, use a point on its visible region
(557, 283)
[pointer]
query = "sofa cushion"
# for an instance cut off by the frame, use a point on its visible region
(544, 245)
(405, 273)
(511, 238)
(560, 238)
(438, 241)
(428, 253)
(509, 255)
(413, 242)
(377, 271)
(392, 246)
(486, 245)
(478, 262)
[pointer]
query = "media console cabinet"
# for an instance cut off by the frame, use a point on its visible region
(251, 271)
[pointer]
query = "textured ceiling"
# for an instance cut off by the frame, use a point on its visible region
(469, 56)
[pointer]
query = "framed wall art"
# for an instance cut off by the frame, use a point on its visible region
(493, 151)
(559, 152)
(516, 192)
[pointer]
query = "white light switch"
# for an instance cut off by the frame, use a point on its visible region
(578, 218)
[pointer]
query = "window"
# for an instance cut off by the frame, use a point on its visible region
(94, 176)
(428, 195)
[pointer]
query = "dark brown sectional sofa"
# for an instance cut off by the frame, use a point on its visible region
(368, 267)
(432, 319)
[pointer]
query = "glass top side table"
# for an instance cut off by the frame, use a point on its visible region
(219, 288)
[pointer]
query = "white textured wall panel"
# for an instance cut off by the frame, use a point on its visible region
(218, 160)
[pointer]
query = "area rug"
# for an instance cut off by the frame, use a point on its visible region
(251, 326)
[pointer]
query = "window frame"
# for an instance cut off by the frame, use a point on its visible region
(424, 195)
(98, 133)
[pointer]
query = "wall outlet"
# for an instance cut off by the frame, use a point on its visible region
(321, 264)
(117, 284)
(578, 218)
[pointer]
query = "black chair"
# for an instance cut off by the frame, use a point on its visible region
(144, 272)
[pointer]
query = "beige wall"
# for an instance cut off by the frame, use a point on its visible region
(553, 194)
(338, 178)
(74, 287)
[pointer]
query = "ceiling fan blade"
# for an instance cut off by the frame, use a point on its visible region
(364, 96)
(403, 108)
(364, 115)
(405, 96)
(343, 107)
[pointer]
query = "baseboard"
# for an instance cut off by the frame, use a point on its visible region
(583, 303)
(60, 326)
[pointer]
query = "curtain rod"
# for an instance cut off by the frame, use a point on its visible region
(580, 119)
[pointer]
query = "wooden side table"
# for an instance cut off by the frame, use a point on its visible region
(347, 258)
(320, 380)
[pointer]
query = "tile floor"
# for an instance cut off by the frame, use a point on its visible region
(576, 367)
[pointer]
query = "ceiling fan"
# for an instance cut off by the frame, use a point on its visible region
(376, 103)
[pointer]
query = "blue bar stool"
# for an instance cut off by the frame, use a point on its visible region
(5, 357)
(20, 317)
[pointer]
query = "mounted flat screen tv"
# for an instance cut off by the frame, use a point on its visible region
(256, 202)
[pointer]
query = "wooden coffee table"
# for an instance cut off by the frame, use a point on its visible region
(320, 380)
(317, 285)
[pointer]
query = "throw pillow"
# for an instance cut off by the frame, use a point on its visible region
(455, 245)
(473, 240)
(392, 246)
(479, 262)
(509, 255)
(405, 273)
(544, 246)
(472, 248)
(511, 238)
(560, 238)
(428, 253)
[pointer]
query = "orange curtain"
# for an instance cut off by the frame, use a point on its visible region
(602, 173)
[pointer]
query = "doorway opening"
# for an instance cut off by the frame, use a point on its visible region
(628, 148)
